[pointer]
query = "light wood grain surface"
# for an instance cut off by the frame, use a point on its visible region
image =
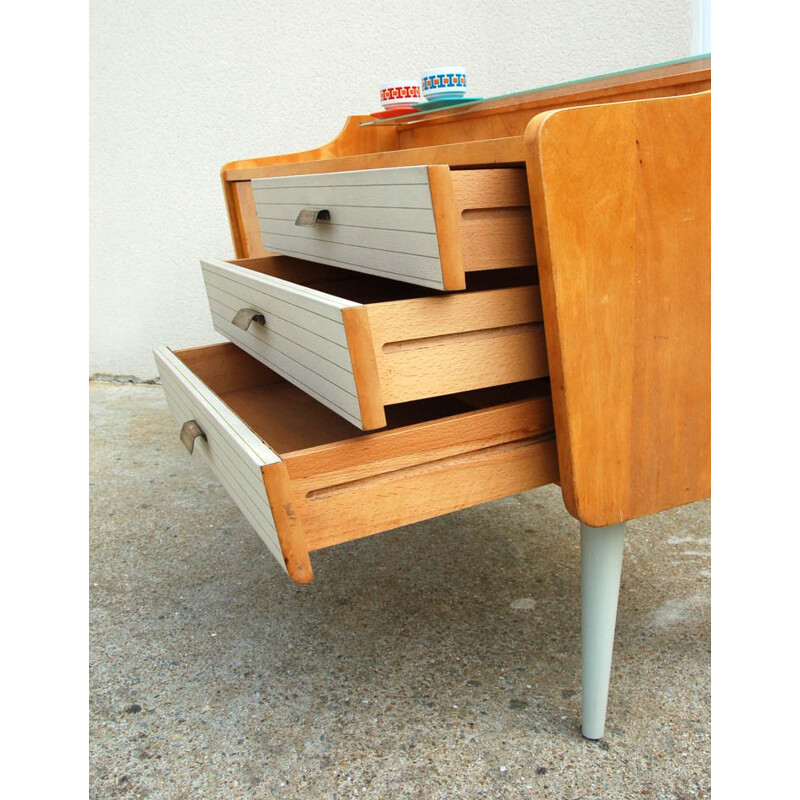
(441, 345)
(616, 173)
(494, 217)
(621, 208)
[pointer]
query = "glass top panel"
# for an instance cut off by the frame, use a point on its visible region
(695, 62)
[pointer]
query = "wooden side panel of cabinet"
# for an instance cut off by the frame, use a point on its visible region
(621, 209)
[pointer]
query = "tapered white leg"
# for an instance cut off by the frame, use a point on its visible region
(601, 569)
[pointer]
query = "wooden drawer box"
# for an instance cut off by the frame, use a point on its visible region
(358, 343)
(427, 225)
(306, 479)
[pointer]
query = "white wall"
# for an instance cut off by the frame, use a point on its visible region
(179, 88)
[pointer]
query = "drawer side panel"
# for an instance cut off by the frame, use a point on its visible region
(447, 344)
(494, 213)
(234, 453)
(428, 490)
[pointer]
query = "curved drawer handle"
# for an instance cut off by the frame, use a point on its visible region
(309, 217)
(189, 432)
(244, 316)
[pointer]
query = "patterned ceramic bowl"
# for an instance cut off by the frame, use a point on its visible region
(400, 93)
(444, 83)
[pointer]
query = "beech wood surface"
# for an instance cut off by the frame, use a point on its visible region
(621, 208)
(294, 548)
(442, 345)
(494, 218)
(387, 479)
(246, 212)
(448, 233)
(225, 367)
(365, 369)
(508, 116)
(333, 515)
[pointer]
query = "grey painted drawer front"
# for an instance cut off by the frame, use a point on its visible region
(303, 340)
(234, 453)
(381, 221)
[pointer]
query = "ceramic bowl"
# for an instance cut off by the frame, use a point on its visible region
(442, 83)
(400, 93)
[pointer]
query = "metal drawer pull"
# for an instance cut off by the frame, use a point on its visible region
(189, 432)
(309, 217)
(244, 316)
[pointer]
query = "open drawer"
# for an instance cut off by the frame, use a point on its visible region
(427, 225)
(358, 343)
(306, 479)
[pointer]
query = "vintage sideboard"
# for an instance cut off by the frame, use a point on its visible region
(437, 310)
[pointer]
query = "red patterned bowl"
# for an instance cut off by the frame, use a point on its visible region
(400, 93)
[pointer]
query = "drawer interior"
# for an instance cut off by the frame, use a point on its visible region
(289, 420)
(368, 289)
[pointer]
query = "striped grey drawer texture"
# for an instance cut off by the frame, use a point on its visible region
(381, 221)
(303, 338)
(233, 451)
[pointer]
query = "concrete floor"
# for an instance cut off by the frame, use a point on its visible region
(440, 660)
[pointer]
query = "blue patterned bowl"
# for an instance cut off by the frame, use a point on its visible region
(443, 83)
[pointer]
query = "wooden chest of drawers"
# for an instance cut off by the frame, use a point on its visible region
(441, 311)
